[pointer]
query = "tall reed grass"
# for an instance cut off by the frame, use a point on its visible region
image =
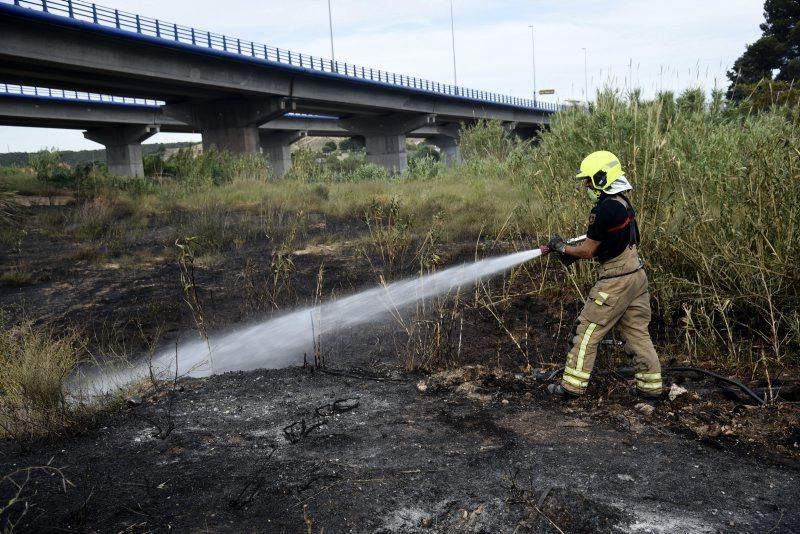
(717, 194)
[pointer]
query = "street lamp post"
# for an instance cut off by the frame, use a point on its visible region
(453, 39)
(533, 63)
(330, 27)
(585, 79)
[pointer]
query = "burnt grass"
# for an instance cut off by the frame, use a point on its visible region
(365, 445)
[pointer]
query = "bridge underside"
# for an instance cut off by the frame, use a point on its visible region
(230, 99)
(274, 136)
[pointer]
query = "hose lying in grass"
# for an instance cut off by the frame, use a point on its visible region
(669, 370)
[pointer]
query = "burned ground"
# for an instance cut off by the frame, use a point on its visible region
(390, 458)
(367, 444)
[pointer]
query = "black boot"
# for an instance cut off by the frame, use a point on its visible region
(557, 390)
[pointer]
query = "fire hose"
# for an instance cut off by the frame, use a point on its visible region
(622, 371)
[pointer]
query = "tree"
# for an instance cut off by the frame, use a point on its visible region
(774, 56)
(46, 164)
(350, 144)
(329, 147)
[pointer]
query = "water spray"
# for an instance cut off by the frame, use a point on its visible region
(282, 341)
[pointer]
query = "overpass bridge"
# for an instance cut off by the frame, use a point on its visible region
(101, 115)
(226, 88)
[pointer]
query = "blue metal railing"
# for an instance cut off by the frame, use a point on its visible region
(80, 96)
(129, 22)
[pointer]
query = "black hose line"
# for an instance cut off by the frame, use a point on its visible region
(717, 376)
(711, 374)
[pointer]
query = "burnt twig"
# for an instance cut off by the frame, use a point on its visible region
(298, 430)
(252, 486)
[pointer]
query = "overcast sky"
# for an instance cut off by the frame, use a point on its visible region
(653, 45)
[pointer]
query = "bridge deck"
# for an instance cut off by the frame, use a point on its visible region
(89, 16)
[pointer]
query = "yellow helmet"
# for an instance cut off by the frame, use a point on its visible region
(602, 168)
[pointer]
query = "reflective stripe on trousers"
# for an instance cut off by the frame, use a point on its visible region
(648, 381)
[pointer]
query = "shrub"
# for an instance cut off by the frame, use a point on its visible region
(306, 166)
(369, 172)
(46, 164)
(424, 150)
(101, 216)
(211, 167)
(328, 147)
(341, 166)
(33, 394)
(767, 94)
(485, 140)
(423, 167)
(350, 145)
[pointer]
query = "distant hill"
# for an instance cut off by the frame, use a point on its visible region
(78, 157)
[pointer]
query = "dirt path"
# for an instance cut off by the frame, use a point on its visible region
(399, 461)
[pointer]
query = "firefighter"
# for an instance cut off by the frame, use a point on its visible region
(620, 296)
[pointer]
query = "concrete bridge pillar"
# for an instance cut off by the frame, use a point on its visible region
(449, 151)
(385, 136)
(446, 140)
(277, 147)
(123, 147)
(230, 124)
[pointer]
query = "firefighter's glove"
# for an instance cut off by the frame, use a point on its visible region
(557, 244)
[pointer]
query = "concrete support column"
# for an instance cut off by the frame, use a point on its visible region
(388, 151)
(449, 151)
(385, 136)
(445, 138)
(230, 124)
(277, 147)
(123, 147)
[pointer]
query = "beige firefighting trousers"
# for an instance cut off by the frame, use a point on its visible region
(619, 298)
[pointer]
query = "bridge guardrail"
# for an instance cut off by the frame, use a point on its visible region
(124, 21)
(81, 96)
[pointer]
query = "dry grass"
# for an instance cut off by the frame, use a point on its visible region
(33, 394)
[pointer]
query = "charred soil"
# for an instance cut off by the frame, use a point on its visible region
(366, 451)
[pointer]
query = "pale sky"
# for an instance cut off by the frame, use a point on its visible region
(649, 44)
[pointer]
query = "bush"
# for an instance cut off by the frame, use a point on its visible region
(101, 216)
(767, 94)
(46, 164)
(211, 167)
(423, 167)
(33, 395)
(341, 166)
(369, 172)
(350, 145)
(485, 140)
(306, 166)
(328, 147)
